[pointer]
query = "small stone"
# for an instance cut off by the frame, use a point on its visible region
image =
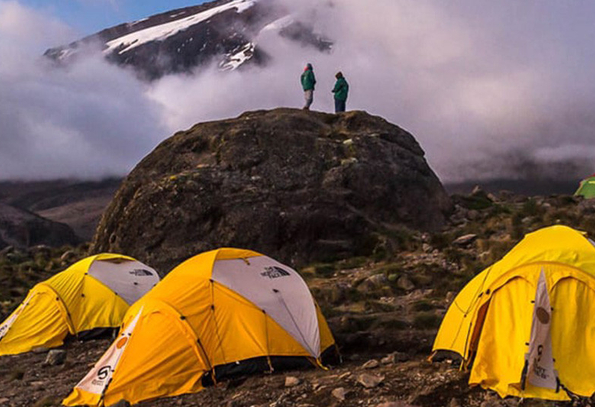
(7, 250)
(388, 359)
(372, 283)
(405, 284)
(291, 381)
(55, 357)
(378, 279)
(3, 401)
(454, 403)
(371, 364)
(465, 240)
(339, 393)
(477, 190)
(369, 381)
(394, 358)
(40, 249)
(68, 256)
(347, 161)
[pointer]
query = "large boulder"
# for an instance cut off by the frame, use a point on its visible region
(299, 186)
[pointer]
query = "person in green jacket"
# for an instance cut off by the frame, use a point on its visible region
(308, 83)
(340, 90)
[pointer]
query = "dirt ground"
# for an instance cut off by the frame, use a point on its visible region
(406, 381)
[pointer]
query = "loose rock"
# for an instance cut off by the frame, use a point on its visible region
(465, 240)
(405, 284)
(55, 357)
(371, 364)
(339, 393)
(291, 381)
(369, 381)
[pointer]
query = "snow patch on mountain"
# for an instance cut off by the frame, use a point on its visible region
(233, 61)
(163, 31)
(279, 24)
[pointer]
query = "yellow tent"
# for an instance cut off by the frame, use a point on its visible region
(91, 294)
(218, 314)
(525, 325)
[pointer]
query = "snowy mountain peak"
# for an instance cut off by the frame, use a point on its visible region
(222, 32)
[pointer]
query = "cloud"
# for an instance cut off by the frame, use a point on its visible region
(490, 89)
(88, 120)
(484, 86)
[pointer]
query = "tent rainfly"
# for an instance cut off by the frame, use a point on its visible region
(218, 314)
(525, 326)
(587, 187)
(92, 294)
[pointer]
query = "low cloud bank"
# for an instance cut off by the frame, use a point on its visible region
(490, 89)
(88, 120)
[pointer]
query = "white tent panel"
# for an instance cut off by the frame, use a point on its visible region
(129, 279)
(100, 376)
(276, 289)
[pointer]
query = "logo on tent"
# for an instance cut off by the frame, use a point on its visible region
(140, 272)
(3, 330)
(102, 374)
(274, 272)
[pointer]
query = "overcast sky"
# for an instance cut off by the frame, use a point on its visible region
(489, 88)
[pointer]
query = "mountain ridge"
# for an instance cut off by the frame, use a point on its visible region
(223, 32)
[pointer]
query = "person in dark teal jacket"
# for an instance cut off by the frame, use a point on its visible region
(340, 90)
(308, 83)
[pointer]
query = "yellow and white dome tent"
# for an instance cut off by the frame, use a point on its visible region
(220, 313)
(91, 294)
(526, 325)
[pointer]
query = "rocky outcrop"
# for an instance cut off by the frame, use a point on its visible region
(20, 228)
(299, 186)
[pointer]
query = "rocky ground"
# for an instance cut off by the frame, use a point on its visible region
(383, 309)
